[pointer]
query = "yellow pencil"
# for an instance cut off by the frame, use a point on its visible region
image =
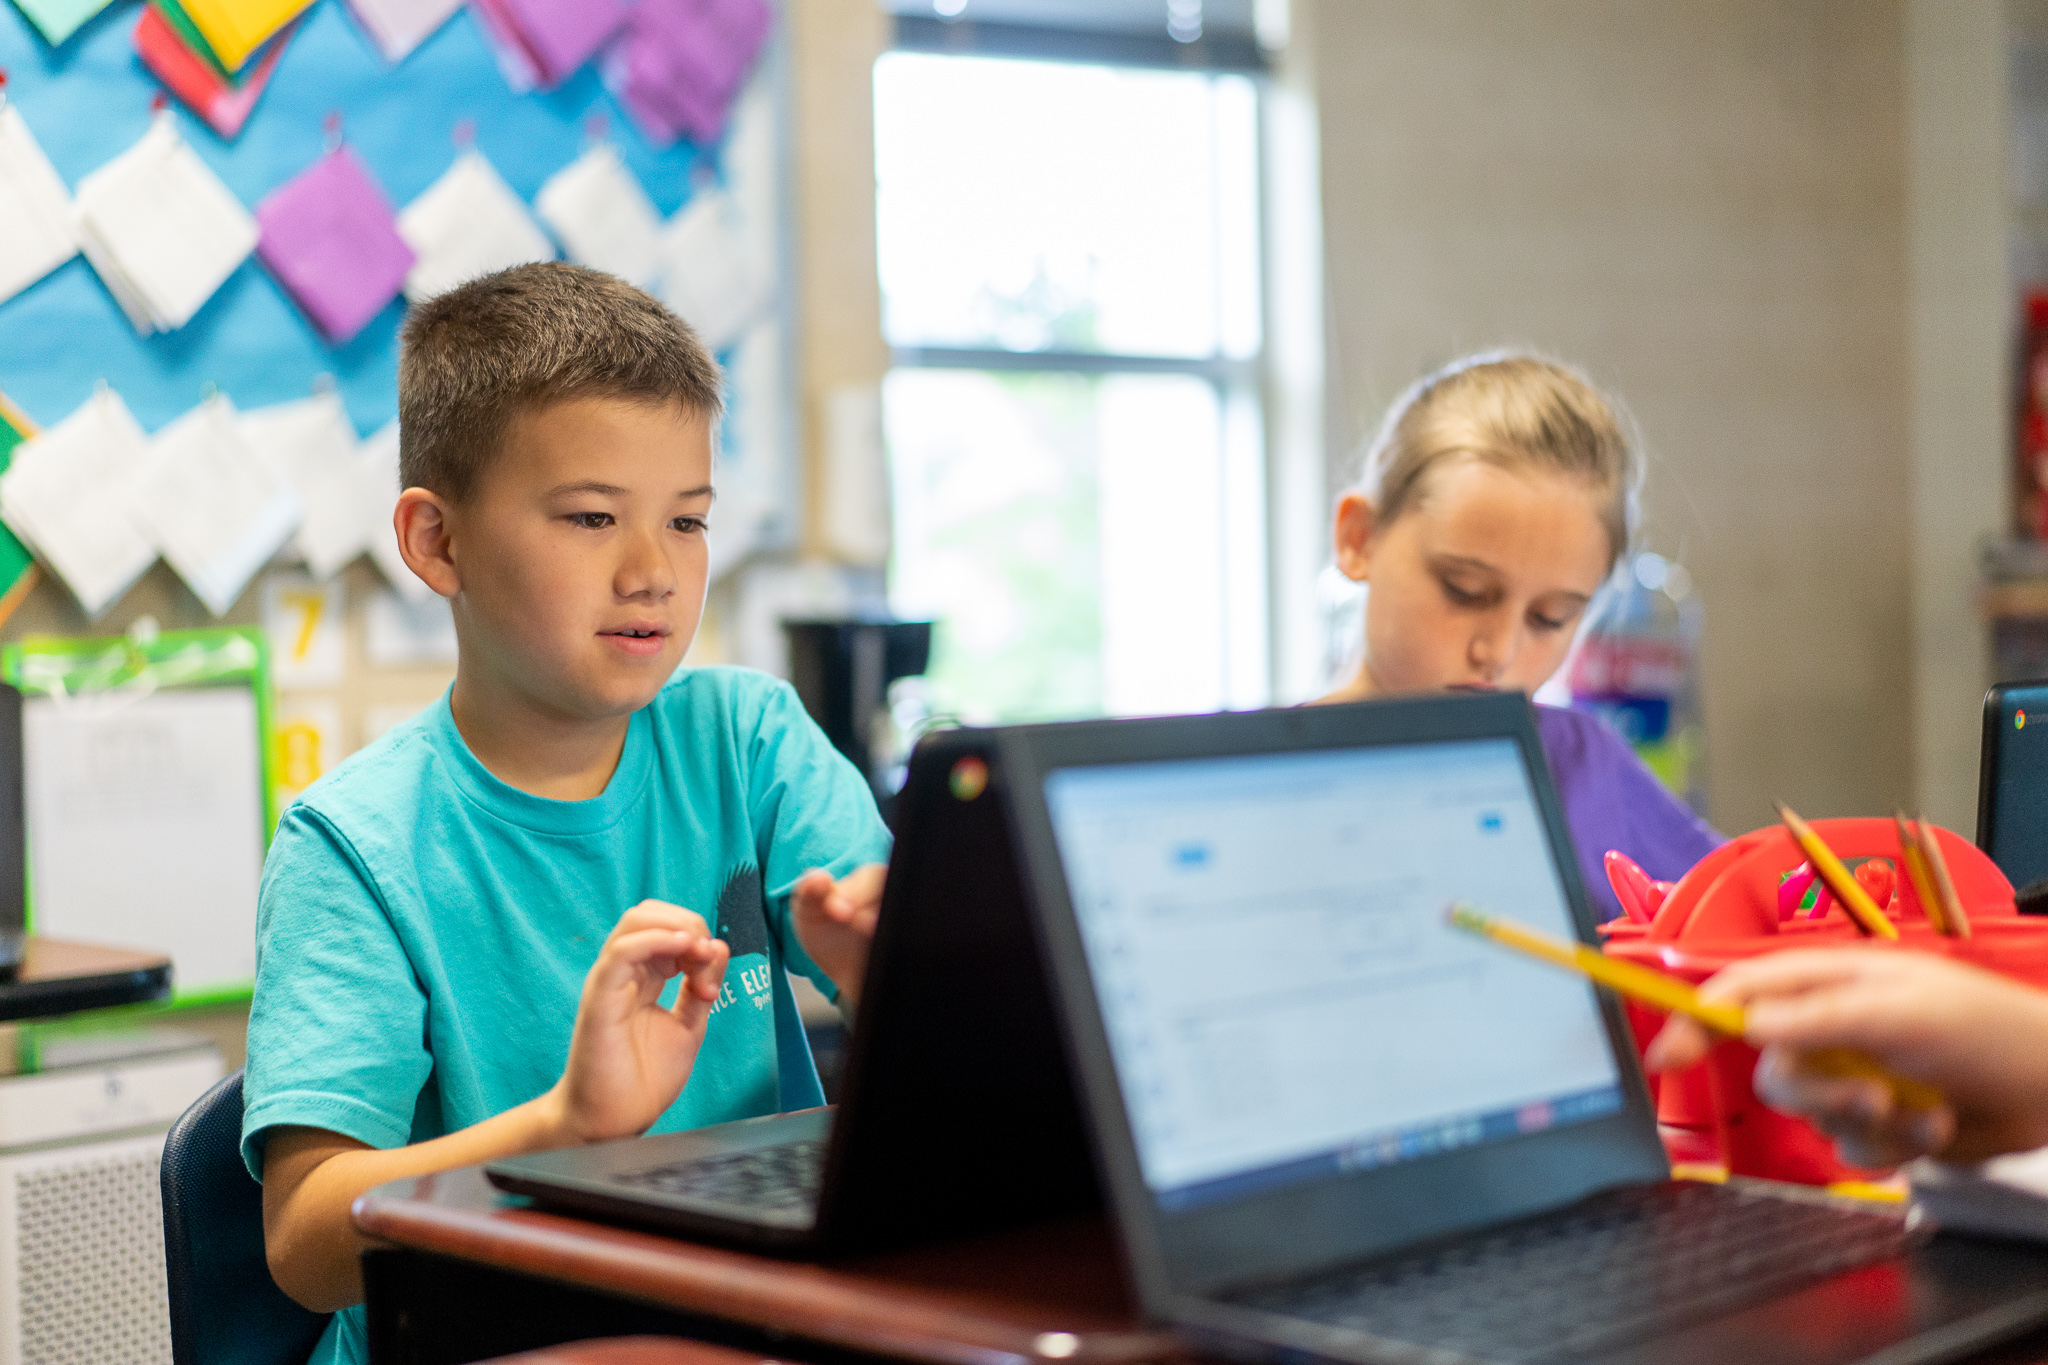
(1915, 863)
(1957, 919)
(1669, 993)
(1862, 910)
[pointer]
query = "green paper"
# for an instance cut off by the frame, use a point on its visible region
(15, 559)
(59, 19)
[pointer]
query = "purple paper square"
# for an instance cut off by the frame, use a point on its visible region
(330, 237)
(682, 62)
(561, 35)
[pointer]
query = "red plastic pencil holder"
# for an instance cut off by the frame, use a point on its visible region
(1726, 909)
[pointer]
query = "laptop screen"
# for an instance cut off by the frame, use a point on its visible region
(1282, 996)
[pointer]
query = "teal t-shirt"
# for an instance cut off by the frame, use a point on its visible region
(424, 929)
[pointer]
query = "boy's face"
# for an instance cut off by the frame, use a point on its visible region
(581, 554)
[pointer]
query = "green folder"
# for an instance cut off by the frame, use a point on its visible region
(59, 19)
(15, 560)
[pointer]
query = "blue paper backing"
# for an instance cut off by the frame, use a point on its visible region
(89, 99)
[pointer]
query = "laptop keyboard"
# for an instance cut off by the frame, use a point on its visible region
(1616, 1269)
(786, 1176)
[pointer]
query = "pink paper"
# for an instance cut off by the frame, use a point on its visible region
(331, 239)
(682, 62)
(541, 43)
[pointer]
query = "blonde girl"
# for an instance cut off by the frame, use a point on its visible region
(1496, 499)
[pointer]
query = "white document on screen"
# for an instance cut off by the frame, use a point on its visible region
(161, 229)
(310, 443)
(602, 217)
(35, 209)
(217, 510)
(467, 223)
(145, 825)
(70, 493)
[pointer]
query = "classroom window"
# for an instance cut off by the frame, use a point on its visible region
(1069, 257)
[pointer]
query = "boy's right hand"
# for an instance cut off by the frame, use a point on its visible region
(629, 1057)
(1981, 1039)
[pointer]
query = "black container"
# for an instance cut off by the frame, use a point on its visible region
(842, 670)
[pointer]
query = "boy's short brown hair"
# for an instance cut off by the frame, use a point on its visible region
(525, 338)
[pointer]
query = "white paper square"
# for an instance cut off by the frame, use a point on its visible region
(602, 217)
(70, 494)
(306, 623)
(467, 223)
(311, 444)
(35, 209)
(162, 228)
(715, 273)
(399, 26)
(216, 509)
(401, 632)
(380, 469)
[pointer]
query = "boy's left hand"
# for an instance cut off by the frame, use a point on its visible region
(835, 920)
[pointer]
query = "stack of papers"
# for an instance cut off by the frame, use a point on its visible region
(236, 29)
(217, 510)
(541, 43)
(682, 62)
(161, 229)
(331, 238)
(311, 446)
(70, 495)
(380, 468)
(467, 223)
(175, 52)
(34, 205)
(57, 20)
(399, 26)
(715, 273)
(602, 217)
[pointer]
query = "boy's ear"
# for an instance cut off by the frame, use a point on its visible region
(1356, 522)
(421, 523)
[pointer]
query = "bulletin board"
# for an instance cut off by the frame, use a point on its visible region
(90, 99)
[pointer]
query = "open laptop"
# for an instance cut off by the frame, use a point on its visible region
(1332, 1127)
(2012, 781)
(956, 1114)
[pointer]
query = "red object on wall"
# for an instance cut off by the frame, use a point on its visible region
(2030, 447)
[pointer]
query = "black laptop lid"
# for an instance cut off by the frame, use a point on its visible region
(1290, 1059)
(2012, 788)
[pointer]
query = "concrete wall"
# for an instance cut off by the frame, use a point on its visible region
(1707, 206)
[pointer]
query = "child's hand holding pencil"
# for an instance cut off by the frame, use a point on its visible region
(1979, 1040)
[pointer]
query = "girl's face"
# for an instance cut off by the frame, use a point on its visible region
(1480, 582)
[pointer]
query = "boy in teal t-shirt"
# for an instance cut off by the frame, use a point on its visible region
(558, 907)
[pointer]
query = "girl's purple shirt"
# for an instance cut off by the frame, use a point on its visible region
(1612, 801)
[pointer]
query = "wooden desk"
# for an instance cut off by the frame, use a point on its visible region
(466, 1274)
(57, 977)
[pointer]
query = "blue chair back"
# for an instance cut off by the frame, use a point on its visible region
(225, 1308)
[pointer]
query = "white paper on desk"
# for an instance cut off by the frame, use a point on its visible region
(35, 208)
(217, 511)
(399, 26)
(2006, 1196)
(602, 217)
(311, 445)
(467, 223)
(70, 494)
(715, 271)
(145, 824)
(161, 229)
(380, 471)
